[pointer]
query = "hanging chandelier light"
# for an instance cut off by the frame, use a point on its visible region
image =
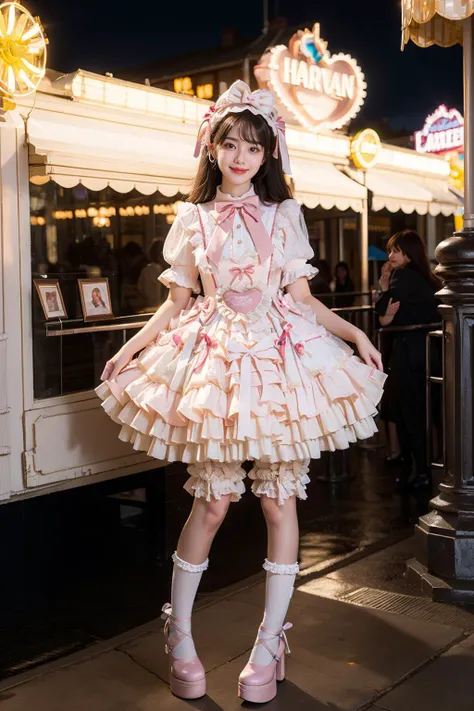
(22, 51)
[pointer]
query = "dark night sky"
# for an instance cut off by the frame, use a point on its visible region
(402, 87)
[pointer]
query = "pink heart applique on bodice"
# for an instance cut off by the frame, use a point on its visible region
(242, 302)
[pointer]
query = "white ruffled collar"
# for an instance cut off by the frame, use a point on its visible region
(220, 196)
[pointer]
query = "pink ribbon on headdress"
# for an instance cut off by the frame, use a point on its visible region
(204, 133)
(251, 215)
(240, 272)
(281, 146)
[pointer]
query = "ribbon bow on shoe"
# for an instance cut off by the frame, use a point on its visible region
(257, 682)
(187, 677)
(249, 210)
(282, 635)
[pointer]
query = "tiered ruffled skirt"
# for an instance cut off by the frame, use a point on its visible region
(216, 387)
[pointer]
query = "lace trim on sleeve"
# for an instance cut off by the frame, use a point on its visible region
(181, 276)
(296, 269)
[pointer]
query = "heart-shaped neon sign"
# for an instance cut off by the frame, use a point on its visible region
(319, 90)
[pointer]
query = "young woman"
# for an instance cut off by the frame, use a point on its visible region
(247, 373)
(408, 298)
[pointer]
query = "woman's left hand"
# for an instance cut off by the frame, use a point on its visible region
(368, 352)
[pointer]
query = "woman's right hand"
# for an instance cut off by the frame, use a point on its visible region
(115, 365)
(392, 308)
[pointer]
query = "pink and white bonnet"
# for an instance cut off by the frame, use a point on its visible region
(239, 98)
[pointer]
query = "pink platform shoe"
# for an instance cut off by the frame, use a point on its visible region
(187, 676)
(258, 682)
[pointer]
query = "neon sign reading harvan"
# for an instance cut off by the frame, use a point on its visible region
(443, 132)
(317, 89)
(320, 79)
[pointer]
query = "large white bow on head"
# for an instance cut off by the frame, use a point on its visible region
(237, 98)
(239, 95)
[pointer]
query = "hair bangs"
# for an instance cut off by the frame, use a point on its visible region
(251, 128)
(393, 243)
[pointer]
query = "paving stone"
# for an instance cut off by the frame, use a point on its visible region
(342, 656)
(444, 684)
(386, 644)
(358, 647)
(109, 682)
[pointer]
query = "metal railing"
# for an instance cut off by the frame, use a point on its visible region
(117, 323)
(430, 381)
(333, 299)
(404, 329)
(363, 317)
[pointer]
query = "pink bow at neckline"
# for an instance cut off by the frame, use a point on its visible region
(252, 217)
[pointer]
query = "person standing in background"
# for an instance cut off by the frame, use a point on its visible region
(408, 298)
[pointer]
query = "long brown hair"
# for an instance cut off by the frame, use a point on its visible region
(269, 183)
(410, 243)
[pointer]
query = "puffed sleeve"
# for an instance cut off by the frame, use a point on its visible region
(178, 250)
(297, 249)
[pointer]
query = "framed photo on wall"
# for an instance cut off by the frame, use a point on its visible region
(95, 299)
(50, 298)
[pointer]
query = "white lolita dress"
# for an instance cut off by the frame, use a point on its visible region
(243, 373)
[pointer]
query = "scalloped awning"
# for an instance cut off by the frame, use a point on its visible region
(73, 149)
(428, 22)
(396, 191)
(318, 183)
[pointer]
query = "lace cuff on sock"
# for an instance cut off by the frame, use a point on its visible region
(189, 567)
(281, 568)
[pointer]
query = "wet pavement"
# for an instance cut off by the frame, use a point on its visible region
(83, 566)
(349, 652)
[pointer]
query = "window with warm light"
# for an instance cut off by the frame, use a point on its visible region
(77, 234)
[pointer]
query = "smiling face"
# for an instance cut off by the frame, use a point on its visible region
(241, 144)
(239, 161)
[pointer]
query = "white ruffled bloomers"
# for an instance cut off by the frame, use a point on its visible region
(214, 391)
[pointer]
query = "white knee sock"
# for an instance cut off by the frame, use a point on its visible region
(184, 586)
(279, 589)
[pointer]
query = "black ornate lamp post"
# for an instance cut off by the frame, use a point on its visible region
(444, 565)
